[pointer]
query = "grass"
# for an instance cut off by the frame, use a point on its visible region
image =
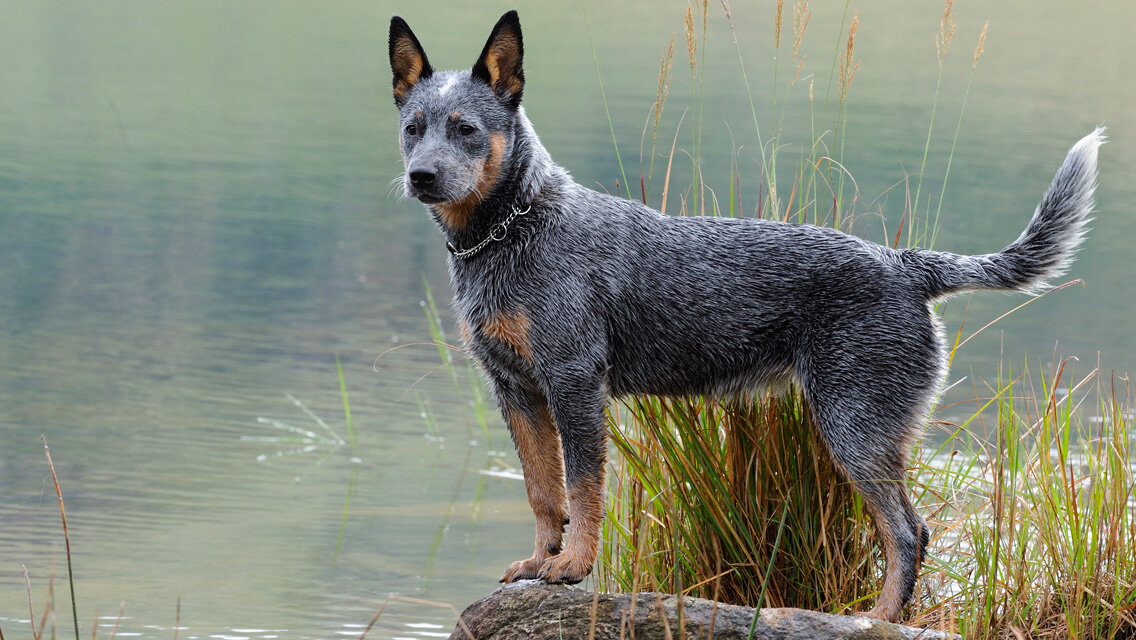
(1033, 533)
(709, 495)
(49, 609)
(66, 540)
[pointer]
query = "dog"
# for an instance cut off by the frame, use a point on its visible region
(566, 297)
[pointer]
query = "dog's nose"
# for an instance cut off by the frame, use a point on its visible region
(423, 176)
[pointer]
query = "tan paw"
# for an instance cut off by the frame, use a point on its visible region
(566, 568)
(523, 569)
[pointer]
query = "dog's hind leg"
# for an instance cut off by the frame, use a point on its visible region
(869, 442)
(904, 536)
(538, 446)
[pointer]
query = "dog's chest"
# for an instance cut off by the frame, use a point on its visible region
(495, 322)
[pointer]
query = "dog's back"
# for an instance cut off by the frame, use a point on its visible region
(721, 305)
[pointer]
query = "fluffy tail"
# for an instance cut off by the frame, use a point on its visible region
(1043, 250)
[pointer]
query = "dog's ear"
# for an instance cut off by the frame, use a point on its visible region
(500, 63)
(408, 60)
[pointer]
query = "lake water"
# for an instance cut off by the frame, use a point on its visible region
(196, 218)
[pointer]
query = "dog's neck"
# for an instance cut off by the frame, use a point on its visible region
(527, 170)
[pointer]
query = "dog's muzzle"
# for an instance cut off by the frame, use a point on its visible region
(423, 183)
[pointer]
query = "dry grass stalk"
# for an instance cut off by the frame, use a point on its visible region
(801, 17)
(691, 41)
(848, 65)
(664, 87)
(981, 45)
(31, 609)
(777, 24)
(418, 601)
(946, 30)
(117, 621)
(66, 534)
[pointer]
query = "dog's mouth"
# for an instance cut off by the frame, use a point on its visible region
(429, 198)
(430, 193)
(435, 196)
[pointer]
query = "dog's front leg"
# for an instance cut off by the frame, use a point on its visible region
(578, 407)
(538, 446)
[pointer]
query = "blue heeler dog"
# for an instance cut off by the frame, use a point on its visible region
(566, 296)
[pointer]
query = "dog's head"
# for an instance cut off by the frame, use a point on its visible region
(456, 127)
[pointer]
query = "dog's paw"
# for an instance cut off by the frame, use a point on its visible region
(566, 568)
(523, 569)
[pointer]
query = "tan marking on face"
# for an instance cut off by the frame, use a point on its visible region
(538, 445)
(513, 329)
(456, 214)
(456, 115)
(408, 66)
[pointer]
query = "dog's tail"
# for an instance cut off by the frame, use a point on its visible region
(1043, 250)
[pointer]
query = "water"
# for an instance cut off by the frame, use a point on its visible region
(195, 219)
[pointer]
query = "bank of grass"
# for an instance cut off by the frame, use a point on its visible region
(1033, 534)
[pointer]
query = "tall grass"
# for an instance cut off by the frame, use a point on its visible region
(733, 499)
(709, 494)
(1033, 534)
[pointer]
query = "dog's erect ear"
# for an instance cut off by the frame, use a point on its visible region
(408, 60)
(500, 63)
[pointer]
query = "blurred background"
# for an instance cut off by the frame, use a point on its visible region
(197, 217)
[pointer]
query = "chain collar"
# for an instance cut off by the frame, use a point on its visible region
(496, 234)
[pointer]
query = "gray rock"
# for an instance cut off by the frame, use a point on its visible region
(533, 610)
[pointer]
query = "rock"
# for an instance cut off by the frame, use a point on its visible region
(533, 610)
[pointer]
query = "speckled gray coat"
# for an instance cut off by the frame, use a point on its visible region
(567, 296)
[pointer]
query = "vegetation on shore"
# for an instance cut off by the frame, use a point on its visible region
(1033, 534)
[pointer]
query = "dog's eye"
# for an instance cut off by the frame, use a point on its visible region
(411, 129)
(466, 130)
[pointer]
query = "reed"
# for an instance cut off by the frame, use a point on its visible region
(729, 500)
(1035, 537)
(663, 91)
(66, 539)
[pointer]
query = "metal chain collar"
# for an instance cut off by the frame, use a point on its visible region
(496, 234)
